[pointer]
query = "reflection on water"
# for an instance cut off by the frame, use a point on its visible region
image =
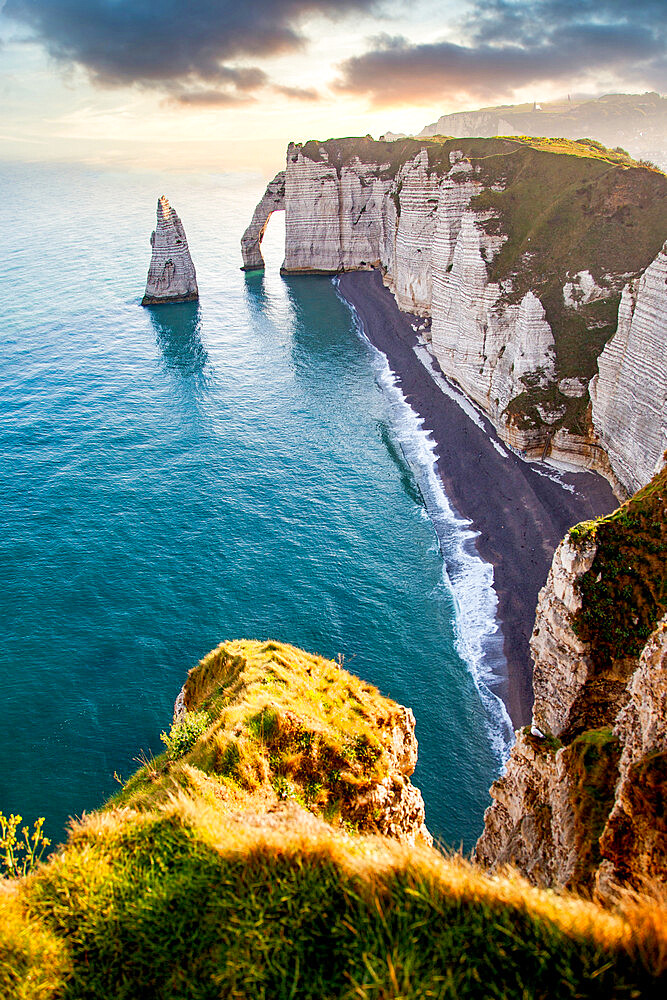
(255, 289)
(178, 333)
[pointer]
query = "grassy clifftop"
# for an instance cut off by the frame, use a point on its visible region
(206, 879)
(564, 207)
(272, 723)
(624, 593)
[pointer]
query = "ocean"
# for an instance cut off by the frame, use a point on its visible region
(173, 477)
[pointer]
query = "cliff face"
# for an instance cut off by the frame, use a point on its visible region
(171, 275)
(519, 253)
(629, 394)
(581, 804)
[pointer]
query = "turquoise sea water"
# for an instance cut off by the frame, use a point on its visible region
(173, 477)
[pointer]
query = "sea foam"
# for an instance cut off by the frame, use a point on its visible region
(467, 577)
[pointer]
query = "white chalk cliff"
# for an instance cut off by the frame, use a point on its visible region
(428, 228)
(581, 802)
(171, 275)
(273, 201)
(629, 395)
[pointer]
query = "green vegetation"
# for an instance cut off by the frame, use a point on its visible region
(179, 905)
(547, 743)
(592, 763)
(624, 593)
(21, 850)
(201, 883)
(584, 209)
(184, 734)
(566, 206)
(266, 722)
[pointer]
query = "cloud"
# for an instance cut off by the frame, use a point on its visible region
(170, 44)
(515, 43)
(211, 98)
(298, 93)
(525, 21)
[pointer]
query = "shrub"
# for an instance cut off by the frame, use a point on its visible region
(19, 856)
(184, 734)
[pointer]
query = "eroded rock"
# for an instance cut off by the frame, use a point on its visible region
(171, 275)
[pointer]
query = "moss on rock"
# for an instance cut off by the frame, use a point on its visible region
(591, 761)
(624, 593)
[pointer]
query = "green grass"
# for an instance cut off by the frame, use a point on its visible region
(281, 723)
(201, 882)
(180, 905)
(624, 593)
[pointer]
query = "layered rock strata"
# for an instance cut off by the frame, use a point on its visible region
(629, 395)
(273, 201)
(171, 275)
(520, 310)
(581, 804)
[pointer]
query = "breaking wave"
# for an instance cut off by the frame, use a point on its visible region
(467, 577)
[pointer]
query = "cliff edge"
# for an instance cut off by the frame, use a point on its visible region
(277, 849)
(536, 260)
(581, 804)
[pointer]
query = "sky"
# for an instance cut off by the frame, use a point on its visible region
(223, 84)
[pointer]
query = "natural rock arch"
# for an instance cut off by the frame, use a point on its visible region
(273, 201)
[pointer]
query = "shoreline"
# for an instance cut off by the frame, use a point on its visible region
(520, 510)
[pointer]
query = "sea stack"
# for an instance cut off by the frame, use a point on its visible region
(171, 275)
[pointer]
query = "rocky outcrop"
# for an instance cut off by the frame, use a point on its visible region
(581, 803)
(634, 841)
(288, 746)
(273, 201)
(515, 321)
(171, 275)
(563, 662)
(493, 349)
(410, 276)
(336, 215)
(629, 395)
(398, 807)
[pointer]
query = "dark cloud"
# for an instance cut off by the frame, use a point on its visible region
(170, 44)
(525, 21)
(211, 98)
(514, 43)
(298, 93)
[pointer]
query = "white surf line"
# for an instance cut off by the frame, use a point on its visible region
(548, 471)
(467, 577)
(552, 470)
(446, 387)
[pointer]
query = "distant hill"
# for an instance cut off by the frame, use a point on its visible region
(637, 122)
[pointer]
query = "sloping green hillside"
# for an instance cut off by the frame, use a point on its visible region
(272, 723)
(624, 593)
(201, 884)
